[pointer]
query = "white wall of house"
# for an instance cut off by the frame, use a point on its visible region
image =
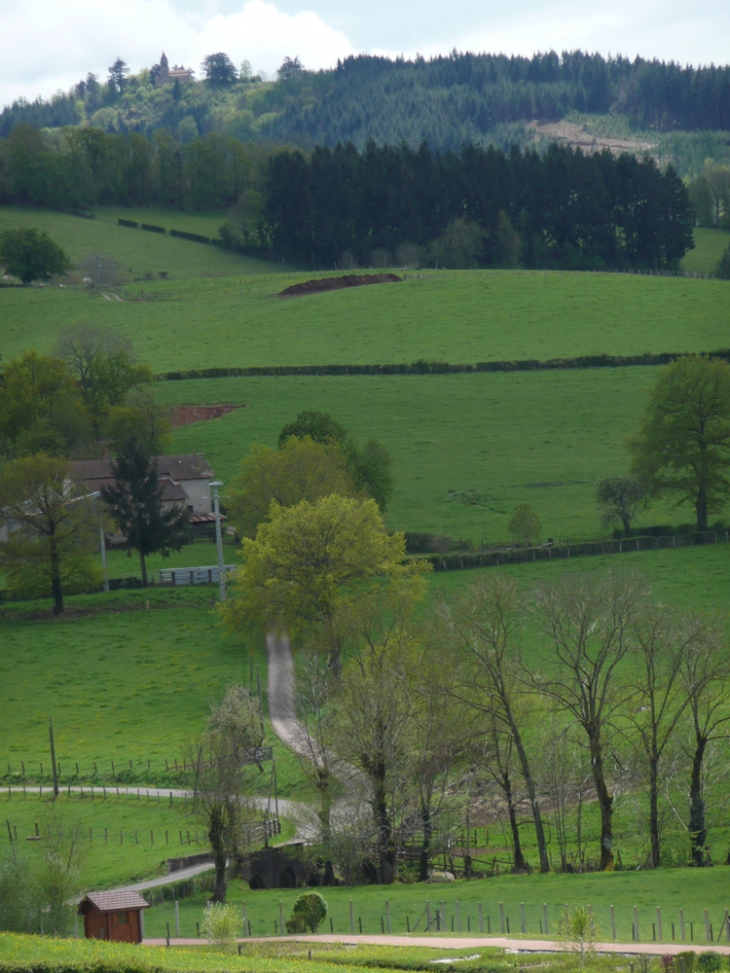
(199, 495)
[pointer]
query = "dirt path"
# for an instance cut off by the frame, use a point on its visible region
(114, 297)
(472, 942)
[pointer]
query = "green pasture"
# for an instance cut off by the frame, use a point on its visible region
(709, 247)
(19, 952)
(670, 889)
(455, 317)
(125, 838)
(138, 252)
(493, 440)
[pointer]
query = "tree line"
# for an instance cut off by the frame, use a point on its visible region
(480, 207)
(448, 100)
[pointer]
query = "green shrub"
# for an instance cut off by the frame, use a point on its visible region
(709, 962)
(309, 910)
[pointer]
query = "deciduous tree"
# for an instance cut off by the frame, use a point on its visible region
(682, 447)
(589, 624)
(524, 525)
(306, 558)
(219, 69)
(32, 255)
(300, 470)
(619, 498)
(52, 531)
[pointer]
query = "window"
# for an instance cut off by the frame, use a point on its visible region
(121, 918)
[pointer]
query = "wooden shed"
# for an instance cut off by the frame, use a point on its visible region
(114, 915)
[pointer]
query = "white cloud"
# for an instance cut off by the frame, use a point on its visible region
(47, 45)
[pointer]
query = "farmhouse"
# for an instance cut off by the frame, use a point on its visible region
(115, 915)
(185, 482)
(168, 75)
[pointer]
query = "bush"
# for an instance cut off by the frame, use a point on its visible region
(309, 910)
(222, 925)
(152, 228)
(709, 962)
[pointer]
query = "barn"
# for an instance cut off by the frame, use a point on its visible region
(116, 916)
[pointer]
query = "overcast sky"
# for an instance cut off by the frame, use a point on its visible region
(47, 45)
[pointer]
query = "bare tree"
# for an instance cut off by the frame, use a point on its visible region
(219, 765)
(376, 702)
(589, 623)
(497, 761)
(662, 645)
(485, 626)
(705, 673)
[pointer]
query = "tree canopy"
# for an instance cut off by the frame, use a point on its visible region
(300, 470)
(682, 447)
(32, 255)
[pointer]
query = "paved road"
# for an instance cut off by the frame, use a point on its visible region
(472, 942)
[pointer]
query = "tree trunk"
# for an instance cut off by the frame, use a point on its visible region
(701, 507)
(325, 810)
(520, 863)
(605, 800)
(386, 852)
(143, 569)
(56, 577)
(531, 793)
(218, 845)
(697, 824)
(427, 825)
(654, 810)
(627, 525)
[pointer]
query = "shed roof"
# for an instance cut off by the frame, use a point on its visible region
(118, 900)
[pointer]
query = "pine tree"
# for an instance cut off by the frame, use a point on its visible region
(135, 502)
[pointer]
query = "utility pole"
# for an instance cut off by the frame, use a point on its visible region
(219, 538)
(102, 543)
(53, 758)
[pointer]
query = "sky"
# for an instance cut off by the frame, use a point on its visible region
(48, 45)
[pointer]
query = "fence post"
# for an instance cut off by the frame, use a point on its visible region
(387, 915)
(522, 916)
(481, 918)
(501, 917)
(281, 918)
(659, 923)
(707, 927)
(177, 919)
(727, 927)
(458, 917)
(544, 917)
(681, 924)
(613, 924)
(352, 918)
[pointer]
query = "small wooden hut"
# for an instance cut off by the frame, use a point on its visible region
(116, 916)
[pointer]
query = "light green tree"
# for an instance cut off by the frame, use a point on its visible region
(577, 930)
(524, 525)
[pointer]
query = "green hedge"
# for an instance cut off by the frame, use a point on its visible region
(151, 228)
(121, 222)
(423, 367)
(195, 237)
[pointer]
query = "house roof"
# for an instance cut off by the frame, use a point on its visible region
(191, 466)
(118, 900)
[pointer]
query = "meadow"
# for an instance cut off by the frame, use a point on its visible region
(459, 317)
(137, 252)
(669, 889)
(709, 247)
(466, 448)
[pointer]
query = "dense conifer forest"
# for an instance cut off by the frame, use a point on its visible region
(446, 101)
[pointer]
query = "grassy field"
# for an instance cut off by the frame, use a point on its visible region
(136, 251)
(709, 246)
(670, 889)
(541, 438)
(35, 952)
(458, 317)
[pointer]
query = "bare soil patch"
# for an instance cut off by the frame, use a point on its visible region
(569, 133)
(338, 283)
(185, 415)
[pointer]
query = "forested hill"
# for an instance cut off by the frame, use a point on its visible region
(446, 101)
